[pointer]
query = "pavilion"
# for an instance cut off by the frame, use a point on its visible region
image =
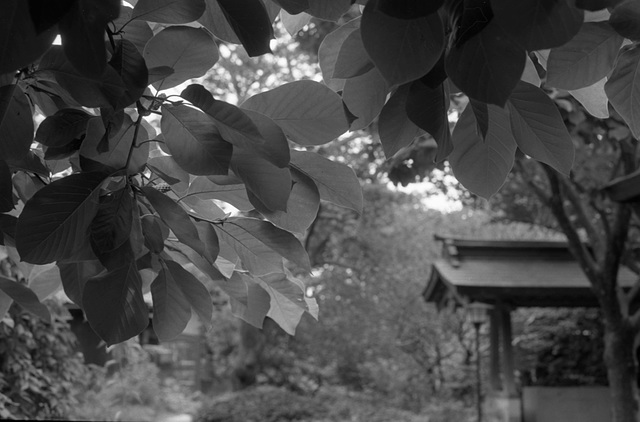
(511, 274)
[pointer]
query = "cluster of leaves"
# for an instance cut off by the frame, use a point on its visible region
(400, 62)
(42, 375)
(115, 208)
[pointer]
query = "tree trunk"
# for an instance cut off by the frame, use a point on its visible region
(621, 368)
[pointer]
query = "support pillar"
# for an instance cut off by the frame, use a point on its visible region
(494, 349)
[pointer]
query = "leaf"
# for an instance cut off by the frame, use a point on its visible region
(487, 66)
(530, 73)
(190, 52)
(82, 34)
(114, 305)
(352, 59)
(204, 208)
(271, 184)
(402, 49)
(167, 168)
(20, 43)
(409, 9)
(330, 10)
(304, 122)
(16, 124)
(294, 23)
(194, 141)
(152, 232)
(138, 32)
(210, 239)
(287, 300)
(129, 64)
(594, 5)
(623, 88)
(74, 276)
(584, 60)
(235, 194)
(105, 91)
(7, 226)
(6, 188)
(302, 206)
(239, 128)
(293, 7)
(176, 218)
(171, 309)
(625, 19)
(594, 99)
(118, 146)
(44, 280)
(256, 250)
(168, 11)
(6, 302)
(250, 22)
(538, 24)
(194, 291)
(249, 301)
(365, 96)
(337, 183)
(482, 166)
(26, 298)
(539, 129)
(46, 13)
(395, 129)
(427, 108)
(63, 127)
(55, 221)
(111, 227)
(330, 48)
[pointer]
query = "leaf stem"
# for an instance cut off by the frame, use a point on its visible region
(135, 136)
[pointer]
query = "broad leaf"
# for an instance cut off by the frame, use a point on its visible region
(538, 128)
(249, 301)
(152, 232)
(240, 128)
(194, 291)
(190, 52)
(168, 11)
(330, 10)
(55, 221)
(25, 297)
(44, 280)
(402, 49)
(409, 9)
(482, 166)
(288, 301)
(114, 305)
(304, 122)
(171, 309)
(256, 250)
(530, 73)
(302, 207)
(175, 217)
(111, 227)
(74, 276)
(204, 208)
(293, 7)
(63, 127)
(16, 124)
(131, 67)
(487, 66)
(584, 60)
(251, 23)
(337, 183)
(234, 194)
(365, 96)
(330, 48)
(625, 19)
(138, 32)
(167, 168)
(194, 141)
(20, 42)
(594, 99)
(82, 34)
(538, 24)
(395, 129)
(427, 108)
(352, 59)
(294, 23)
(623, 88)
(6, 188)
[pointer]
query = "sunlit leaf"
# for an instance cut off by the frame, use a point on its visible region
(365, 96)
(395, 129)
(623, 88)
(171, 309)
(168, 11)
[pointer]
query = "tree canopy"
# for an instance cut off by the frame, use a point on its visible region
(90, 189)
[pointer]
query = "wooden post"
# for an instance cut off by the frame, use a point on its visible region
(494, 349)
(507, 351)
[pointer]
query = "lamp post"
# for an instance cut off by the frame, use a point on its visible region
(477, 314)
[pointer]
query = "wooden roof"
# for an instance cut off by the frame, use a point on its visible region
(519, 273)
